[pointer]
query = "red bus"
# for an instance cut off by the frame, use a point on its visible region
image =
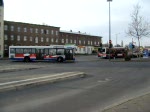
(57, 53)
(117, 52)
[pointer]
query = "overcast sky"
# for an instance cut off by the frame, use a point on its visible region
(90, 16)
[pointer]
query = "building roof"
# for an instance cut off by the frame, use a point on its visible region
(1, 3)
(78, 33)
(5, 21)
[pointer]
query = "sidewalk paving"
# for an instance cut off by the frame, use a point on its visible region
(139, 104)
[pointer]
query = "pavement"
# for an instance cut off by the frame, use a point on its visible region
(137, 104)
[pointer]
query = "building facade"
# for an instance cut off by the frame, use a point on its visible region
(21, 34)
(85, 43)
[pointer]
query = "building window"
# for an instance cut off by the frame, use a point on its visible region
(42, 31)
(25, 29)
(36, 30)
(36, 40)
(18, 38)
(62, 40)
(6, 37)
(47, 31)
(84, 42)
(12, 37)
(12, 28)
(31, 39)
(88, 42)
(52, 40)
(56, 40)
(6, 47)
(52, 32)
(79, 41)
(75, 41)
(56, 32)
(42, 39)
(47, 39)
(66, 40)
(98, 43)
(5, 27)
(71, 41)
(91, 43)
(95, 43)
(31, 30)
(18, 29)
(25, 38)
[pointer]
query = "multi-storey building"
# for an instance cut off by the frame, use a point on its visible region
(18, 33)
(85, 42)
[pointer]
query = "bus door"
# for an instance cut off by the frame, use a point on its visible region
(39, 54)
(69, 54)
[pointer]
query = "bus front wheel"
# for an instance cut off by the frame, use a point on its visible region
(26, 59)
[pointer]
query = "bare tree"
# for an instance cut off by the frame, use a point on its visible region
(138, 27)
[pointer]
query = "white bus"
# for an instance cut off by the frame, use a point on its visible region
(57, 53)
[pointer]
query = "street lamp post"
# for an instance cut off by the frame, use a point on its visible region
(109, 28)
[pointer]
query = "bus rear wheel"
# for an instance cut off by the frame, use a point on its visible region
(26, 59)
(59, 59)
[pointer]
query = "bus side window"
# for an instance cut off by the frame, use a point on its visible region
(52, 52)
(32, 50)
(27, 50)
(19, 50)
(46, 52)
(60, 51)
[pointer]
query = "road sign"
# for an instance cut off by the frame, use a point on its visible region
(145, 53)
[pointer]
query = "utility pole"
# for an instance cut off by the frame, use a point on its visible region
(109, 28)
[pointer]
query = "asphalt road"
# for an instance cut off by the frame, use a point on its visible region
(107, 83)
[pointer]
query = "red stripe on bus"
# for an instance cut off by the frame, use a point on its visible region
(19, 55)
